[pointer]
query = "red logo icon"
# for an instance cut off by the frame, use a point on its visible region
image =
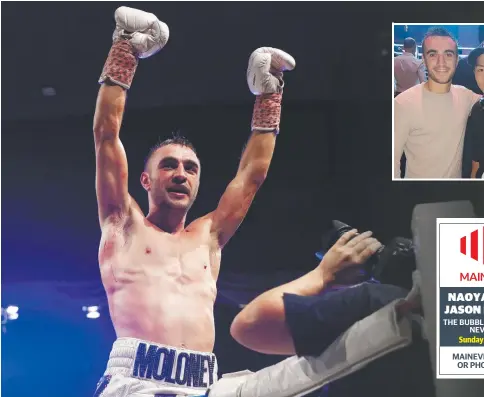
(474, 245)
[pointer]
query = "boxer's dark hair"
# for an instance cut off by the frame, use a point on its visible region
(441, 32)
(176, 139)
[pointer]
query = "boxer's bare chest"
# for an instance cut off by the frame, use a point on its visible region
(142, 252)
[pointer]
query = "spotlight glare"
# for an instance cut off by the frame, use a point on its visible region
(12, 310)
(13, 316)
(93, 315)
(92, 308)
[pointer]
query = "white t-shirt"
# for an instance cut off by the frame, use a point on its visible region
(430, 128)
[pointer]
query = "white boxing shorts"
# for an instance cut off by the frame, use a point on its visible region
(138, 368)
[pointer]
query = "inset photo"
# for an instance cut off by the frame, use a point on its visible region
(438, 105)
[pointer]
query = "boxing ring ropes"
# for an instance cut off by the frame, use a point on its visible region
(397, 50)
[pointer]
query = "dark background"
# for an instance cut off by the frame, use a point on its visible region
(332, 161)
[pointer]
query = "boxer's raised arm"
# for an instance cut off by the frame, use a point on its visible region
(240, 192)
(111, 163)
(264, 76)
(138, 34)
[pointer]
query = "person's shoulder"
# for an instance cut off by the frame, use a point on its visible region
(460, 89)
(465, 92)
(406, 98)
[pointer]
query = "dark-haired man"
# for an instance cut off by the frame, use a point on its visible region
(464, 74)
(409, 70)
(474, 141)
(159, 274)
(430, 118)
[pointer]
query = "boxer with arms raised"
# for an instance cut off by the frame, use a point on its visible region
(159, 274)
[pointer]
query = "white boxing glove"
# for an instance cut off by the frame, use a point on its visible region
(264, 76)
(265, 70)
(145, 32)
(138, 34)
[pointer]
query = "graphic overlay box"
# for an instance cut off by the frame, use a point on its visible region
(460, 298)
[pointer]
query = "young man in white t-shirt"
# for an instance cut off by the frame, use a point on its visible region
(430, 118)
(475, 124)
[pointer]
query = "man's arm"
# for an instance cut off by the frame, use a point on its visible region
(421, 72)
(238, 196)
(117, 75)
(264, 77)
(400, 136)
(111, 163)
(262, 325)
(472, 98)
